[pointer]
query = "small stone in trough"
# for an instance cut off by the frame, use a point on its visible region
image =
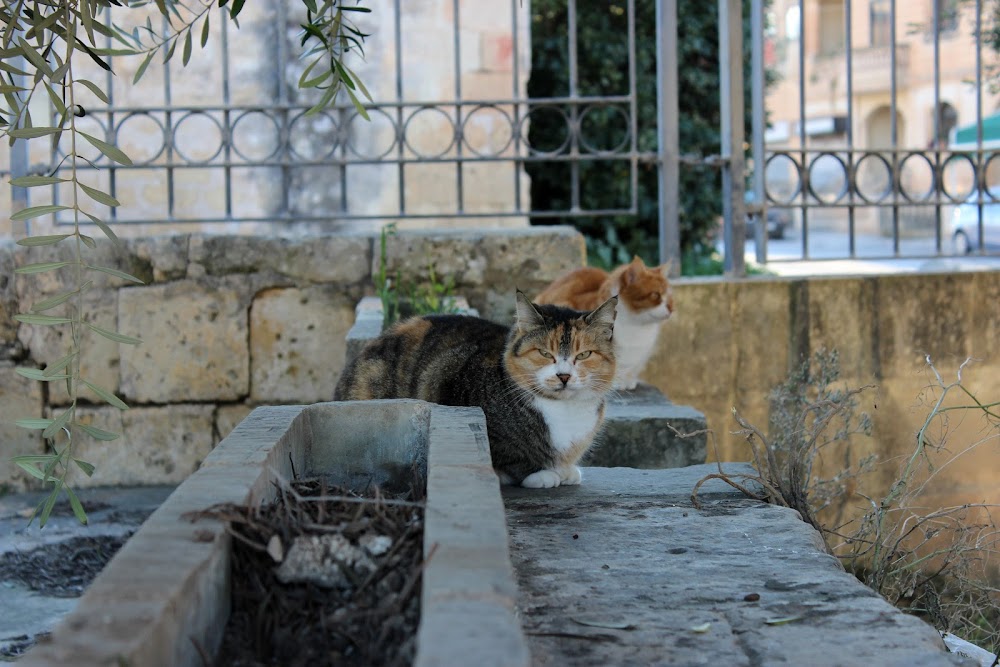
(375, 545)
(320, 558)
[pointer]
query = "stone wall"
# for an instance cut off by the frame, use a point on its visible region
(234, 322)
(228, 323)
(730, 343)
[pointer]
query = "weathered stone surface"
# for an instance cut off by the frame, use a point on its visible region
(20, 398)
(297, 343)
(368, 321)
(168, 255)
(642, 429)
(34, 287)
(934, 318)
(627, 561)
(469, 595)
(227, 417)
(339, 259)
(487, 266)
(157, 445)
(99, 356)
(194, 343)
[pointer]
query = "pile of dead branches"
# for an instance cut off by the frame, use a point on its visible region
(323, 576)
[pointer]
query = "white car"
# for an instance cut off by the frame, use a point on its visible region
(965, 223)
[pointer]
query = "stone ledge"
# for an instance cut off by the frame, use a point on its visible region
(626, 565)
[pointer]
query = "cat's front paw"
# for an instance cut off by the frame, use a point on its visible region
(543, 479)
(570, 475)
(625, 384)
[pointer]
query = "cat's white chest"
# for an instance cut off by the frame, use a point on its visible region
(569, 422)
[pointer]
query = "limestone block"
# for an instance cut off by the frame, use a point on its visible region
(534, 256)
(341, 259)
(227, 417)
(161, 445)
(194, 343)
(487, 265)
(297, 344)
(99, 356)
(455, 255)
(20, 398)
(34, 287)
(168, 255)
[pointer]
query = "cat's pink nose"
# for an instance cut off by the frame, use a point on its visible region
(564, 377)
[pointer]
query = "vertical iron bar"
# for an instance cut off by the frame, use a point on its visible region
(852, 177)
(757, 125)
(227, 142)
(803, 170)
(980, 162)
(109, 114)
(285, 128)
(894, 128)
(574, 111)
(516, 107)
(459, 190)
(633, 112)
(938, 171)
(668, 138)
(401, 180)
(731, 114)
(168, 128)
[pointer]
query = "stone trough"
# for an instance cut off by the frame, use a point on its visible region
(164, 598)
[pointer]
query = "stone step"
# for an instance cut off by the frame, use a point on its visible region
(643, 429)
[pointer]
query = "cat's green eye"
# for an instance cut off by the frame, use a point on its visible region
(583, 355)
(545, 354)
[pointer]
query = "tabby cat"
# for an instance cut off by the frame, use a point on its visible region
(542, 383)
(645, 303)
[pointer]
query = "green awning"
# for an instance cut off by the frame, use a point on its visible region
(965, 137)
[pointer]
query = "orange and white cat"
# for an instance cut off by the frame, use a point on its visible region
(645, 302)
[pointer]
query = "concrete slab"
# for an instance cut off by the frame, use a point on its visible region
(624, 570)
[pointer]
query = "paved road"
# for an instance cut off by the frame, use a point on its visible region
(829, 254)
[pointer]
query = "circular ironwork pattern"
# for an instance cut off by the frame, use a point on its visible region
(902, 177)
(262, 136)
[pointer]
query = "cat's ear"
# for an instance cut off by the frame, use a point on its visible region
(635, 267)
(527, 316)
(603, 316)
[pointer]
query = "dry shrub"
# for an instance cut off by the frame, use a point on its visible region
(938, 562)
